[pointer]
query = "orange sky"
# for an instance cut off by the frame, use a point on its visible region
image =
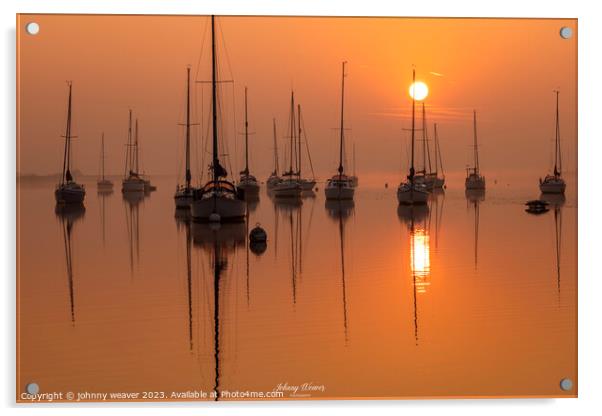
(505, 69)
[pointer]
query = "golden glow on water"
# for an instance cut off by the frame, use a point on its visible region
(420, 259)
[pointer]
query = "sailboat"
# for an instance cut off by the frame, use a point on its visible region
(306, 184)
(290, 186)
(132, 182)
(219, 200)
(340, 186)
(554, 184)
(103, 184)
(433, 176)
(412, 192)
(68, 191)
(274, 178)
(184, 193)
(474, 180)
(247, 182)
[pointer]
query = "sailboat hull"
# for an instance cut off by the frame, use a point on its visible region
(307, 184)
(70, 194)
(339, 193)
(552, 186)
(228, 208)
(183, 198)
(409, 195)
(273, 181)
(251, 188)
(475, 182)
(287, 189)
(132, 185)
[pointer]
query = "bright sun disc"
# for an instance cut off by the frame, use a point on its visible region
(419, 91)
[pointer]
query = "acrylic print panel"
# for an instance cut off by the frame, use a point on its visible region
(281, 208)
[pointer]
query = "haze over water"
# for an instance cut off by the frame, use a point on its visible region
(421, 310)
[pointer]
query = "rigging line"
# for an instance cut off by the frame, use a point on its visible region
(311, 165)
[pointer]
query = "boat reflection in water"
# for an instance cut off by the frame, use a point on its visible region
(557, 202)
(103, 194)
(218, 241)
(340, 211)
(68, 215)
(416, 218)
(132, 201)
(474, 197)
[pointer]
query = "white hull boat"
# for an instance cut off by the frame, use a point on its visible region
(412, 193)
(287, 188)
(339, 187)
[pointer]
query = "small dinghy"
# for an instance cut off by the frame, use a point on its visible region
(537, 206)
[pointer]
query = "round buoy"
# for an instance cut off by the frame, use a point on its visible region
(258, 234)
(386, 185)
(214, 217)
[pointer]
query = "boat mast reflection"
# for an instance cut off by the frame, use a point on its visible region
(475, 197)
(132, 202)
(68, 215)
(183, 219)
(340, 211)
(218, 240)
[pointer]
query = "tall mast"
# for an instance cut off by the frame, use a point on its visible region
(136, 148)
(275, 149)
(423, 139)
(188, 175)
(299, 139)
(292, 129)
(412, 171)
(557, 159)
(67, 152)
(214, 99)
(476, 151)
(246, 171)
(102, 156)
(342, 120)
(128, 151)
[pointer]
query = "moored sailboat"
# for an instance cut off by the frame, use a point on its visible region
(103, 184)
(184, 193)
(410, 192)
(274, 178)
(248, 182)
(132, 182)
(340, 186)
(68, 191)
(289, 186)
(219, 200)
(554, 184)
(474, 180)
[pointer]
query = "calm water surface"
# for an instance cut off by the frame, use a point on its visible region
(470, 296)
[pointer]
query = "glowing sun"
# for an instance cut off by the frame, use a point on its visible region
(419, 90)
